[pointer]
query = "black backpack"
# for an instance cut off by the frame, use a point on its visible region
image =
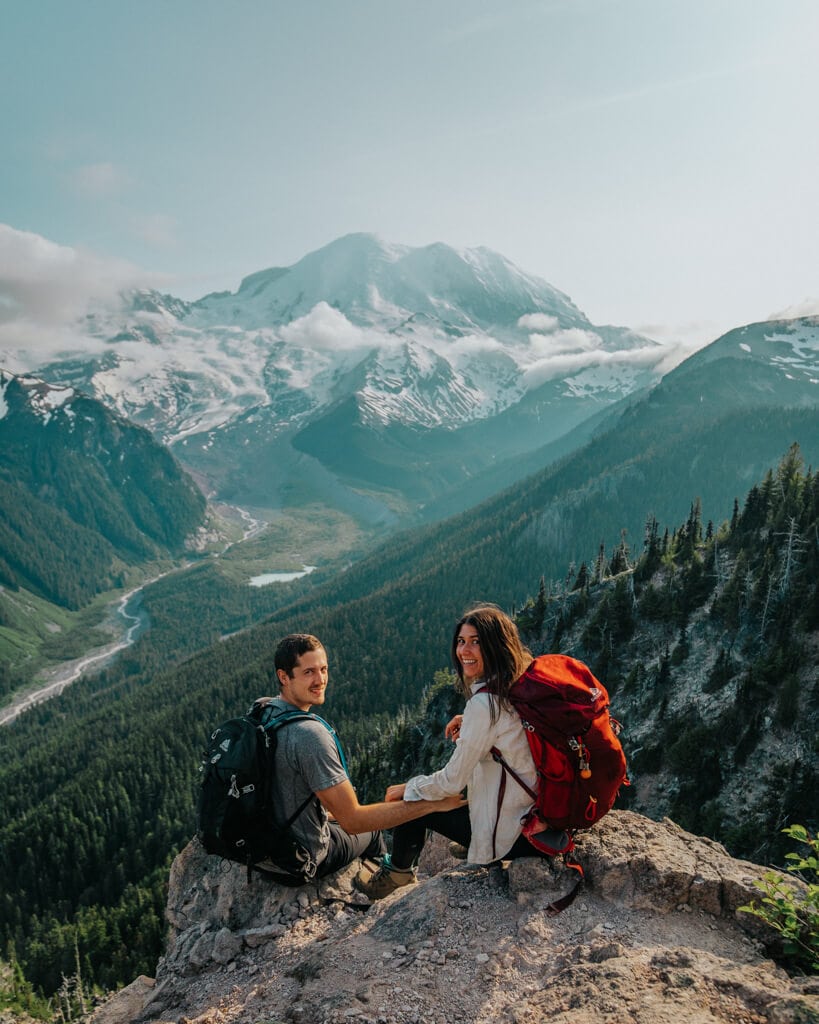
(235, 817)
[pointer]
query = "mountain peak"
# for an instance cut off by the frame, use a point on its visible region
(364, 277)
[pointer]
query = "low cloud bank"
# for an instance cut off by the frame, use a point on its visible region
(554, 352)
(538, 322)
(45, 289)
(565, 363)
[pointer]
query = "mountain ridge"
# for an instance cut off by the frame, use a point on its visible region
(416, 275)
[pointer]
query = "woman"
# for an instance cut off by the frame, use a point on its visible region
(488, 656)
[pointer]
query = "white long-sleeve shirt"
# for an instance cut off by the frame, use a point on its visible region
(472, 765)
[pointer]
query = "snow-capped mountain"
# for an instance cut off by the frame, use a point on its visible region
(355, 353)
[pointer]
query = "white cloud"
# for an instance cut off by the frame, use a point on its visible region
(50, 283)
(326, 328)
(538, 322)
(563, 363)
(45, 288)
(469, 344)
(573, 339)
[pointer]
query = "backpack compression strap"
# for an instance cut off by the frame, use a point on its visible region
(557, 905)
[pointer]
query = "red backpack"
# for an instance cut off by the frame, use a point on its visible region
(573, 738)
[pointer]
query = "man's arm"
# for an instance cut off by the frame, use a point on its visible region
(342, 804)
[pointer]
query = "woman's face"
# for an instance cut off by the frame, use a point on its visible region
(468, 651)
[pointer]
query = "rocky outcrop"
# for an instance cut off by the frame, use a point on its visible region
(653, 937)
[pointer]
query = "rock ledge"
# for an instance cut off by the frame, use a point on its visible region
(653, 937)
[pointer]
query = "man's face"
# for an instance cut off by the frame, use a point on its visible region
(308, 682)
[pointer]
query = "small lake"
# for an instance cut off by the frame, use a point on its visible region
(280, 577)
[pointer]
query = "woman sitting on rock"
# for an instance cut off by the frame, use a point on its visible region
(488, 656)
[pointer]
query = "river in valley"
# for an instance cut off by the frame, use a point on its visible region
(55, 679)
(128, 622)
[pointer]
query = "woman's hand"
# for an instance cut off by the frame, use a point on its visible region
(453, 728)
(395, 792)
(449, 803)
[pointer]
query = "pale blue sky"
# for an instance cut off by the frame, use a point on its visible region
(657, 160)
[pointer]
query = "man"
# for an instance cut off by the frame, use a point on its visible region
(334, 827)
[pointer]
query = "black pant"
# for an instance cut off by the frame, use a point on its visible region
(408, 839)
(345, 848)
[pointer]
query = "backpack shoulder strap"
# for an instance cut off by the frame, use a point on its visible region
(262, 712)
(498, 756)
(336, 740)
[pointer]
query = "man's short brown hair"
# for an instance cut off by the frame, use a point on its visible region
(292, 647)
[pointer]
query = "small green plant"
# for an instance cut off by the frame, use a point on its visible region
(789, 911)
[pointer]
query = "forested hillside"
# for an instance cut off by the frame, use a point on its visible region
(88, 502)
(83, 494)
(708, 642)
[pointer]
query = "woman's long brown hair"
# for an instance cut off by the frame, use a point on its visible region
(505, 658)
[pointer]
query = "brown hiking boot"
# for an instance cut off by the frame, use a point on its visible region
(383, 881)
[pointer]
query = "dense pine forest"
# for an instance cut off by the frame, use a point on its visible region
(84, 493)
(706, 635)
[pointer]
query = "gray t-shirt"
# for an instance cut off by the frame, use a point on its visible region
(307, 760)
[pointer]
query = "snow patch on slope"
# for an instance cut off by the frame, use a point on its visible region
(44, 399)
(799, 349)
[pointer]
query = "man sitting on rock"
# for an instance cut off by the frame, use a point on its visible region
(334, 827)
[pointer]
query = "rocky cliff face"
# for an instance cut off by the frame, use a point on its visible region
(654, 936)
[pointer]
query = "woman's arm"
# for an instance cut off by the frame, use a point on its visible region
(474, 742)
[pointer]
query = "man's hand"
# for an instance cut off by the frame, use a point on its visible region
(453, 728)
(341, 802)
(395, 792)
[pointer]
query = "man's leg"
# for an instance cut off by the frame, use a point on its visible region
(345, 848)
